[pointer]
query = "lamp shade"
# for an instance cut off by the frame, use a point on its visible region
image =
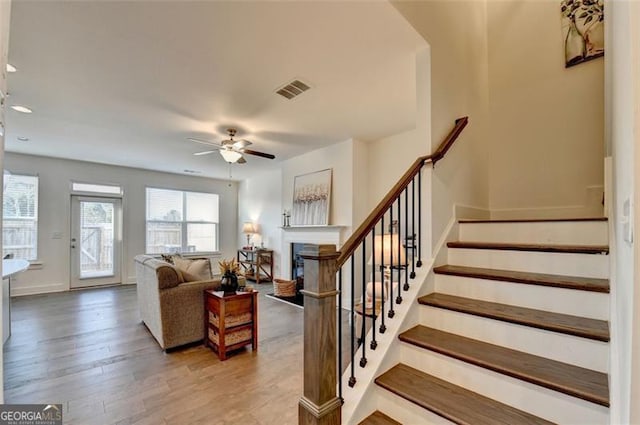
(230, 155)
(248, 228)
(386, 250)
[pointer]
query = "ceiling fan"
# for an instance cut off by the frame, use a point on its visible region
(231, 150)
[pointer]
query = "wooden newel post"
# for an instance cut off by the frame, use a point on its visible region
(319, 404)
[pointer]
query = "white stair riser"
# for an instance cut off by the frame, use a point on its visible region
(570, 349)
(406, 412)
(548, 404)
(559, 300)
(556, 232)
(582, 265)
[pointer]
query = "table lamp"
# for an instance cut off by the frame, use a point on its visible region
(249, 229)
(386, 256)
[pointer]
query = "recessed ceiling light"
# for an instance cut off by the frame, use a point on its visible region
(22, 109)
(11, 68)
(23, 139)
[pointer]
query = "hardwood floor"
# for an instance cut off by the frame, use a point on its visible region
(89, 351)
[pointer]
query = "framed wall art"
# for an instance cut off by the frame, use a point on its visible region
(311, 199)
(582, 30)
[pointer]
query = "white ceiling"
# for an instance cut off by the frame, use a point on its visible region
(127, 82)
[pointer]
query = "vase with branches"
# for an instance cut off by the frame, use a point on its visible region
(229, 269)
(584, 34)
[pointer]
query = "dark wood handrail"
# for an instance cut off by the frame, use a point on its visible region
(363, 230)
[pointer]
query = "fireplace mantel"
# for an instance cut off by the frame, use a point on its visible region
(319, 235)
(318, 228)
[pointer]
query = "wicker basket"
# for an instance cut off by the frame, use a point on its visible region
(284, 288)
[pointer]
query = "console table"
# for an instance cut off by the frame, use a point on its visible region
(257, 264)
(230, 322)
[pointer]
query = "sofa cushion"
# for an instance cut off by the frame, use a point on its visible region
(194, 270)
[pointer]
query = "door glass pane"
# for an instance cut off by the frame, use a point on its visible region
(96, 239)
(201, 237)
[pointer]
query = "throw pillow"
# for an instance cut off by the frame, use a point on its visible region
(194, 270)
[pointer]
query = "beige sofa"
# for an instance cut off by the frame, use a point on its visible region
(172, 310)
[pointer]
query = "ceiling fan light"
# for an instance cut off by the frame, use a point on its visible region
(230, 156)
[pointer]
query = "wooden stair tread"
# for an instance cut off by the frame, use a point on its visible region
(557, 322)
(504, 246)
(558, 281)
(533, 220)
(576, 381)
(378, 418)
(452, 402)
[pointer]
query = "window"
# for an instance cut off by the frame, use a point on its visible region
(20, 217)
(180, 221)
(103, 189)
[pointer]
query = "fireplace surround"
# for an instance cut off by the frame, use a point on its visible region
(318, 235)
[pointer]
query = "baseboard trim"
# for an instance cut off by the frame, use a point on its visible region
(470, 212)
(570, 211)
(20, 291)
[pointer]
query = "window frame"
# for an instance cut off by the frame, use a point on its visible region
(35, 220)
(184, 224)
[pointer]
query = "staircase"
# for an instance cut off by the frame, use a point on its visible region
(516, 331)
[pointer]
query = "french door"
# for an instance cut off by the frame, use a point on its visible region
(96, 241)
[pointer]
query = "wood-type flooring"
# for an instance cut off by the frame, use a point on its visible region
(89, 351)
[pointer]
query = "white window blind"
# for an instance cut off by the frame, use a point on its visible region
(180, 221)
(20, 217)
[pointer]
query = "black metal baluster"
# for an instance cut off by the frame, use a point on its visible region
(391, 310)
(399, 296)
(363, 359)
(419, 262)
(383, 327)
(413, 228)
(340, 334)
(374, 313)
(352, 378)
(406, 234)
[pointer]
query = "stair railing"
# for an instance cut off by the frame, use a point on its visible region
(378, 259)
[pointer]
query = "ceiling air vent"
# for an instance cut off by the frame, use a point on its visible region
(293, 89)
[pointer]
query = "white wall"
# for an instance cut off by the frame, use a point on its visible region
(338, 157)
(456, 34)
(634, 22)
(547, 121)
(260, 201)
(362, 176)
(266, 195)
(391, 156)
(54, 213)
(622, 124)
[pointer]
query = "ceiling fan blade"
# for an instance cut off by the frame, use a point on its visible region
(256, 153)
(204, 153)
(241, 160)
(202, 142)
(241, 144)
